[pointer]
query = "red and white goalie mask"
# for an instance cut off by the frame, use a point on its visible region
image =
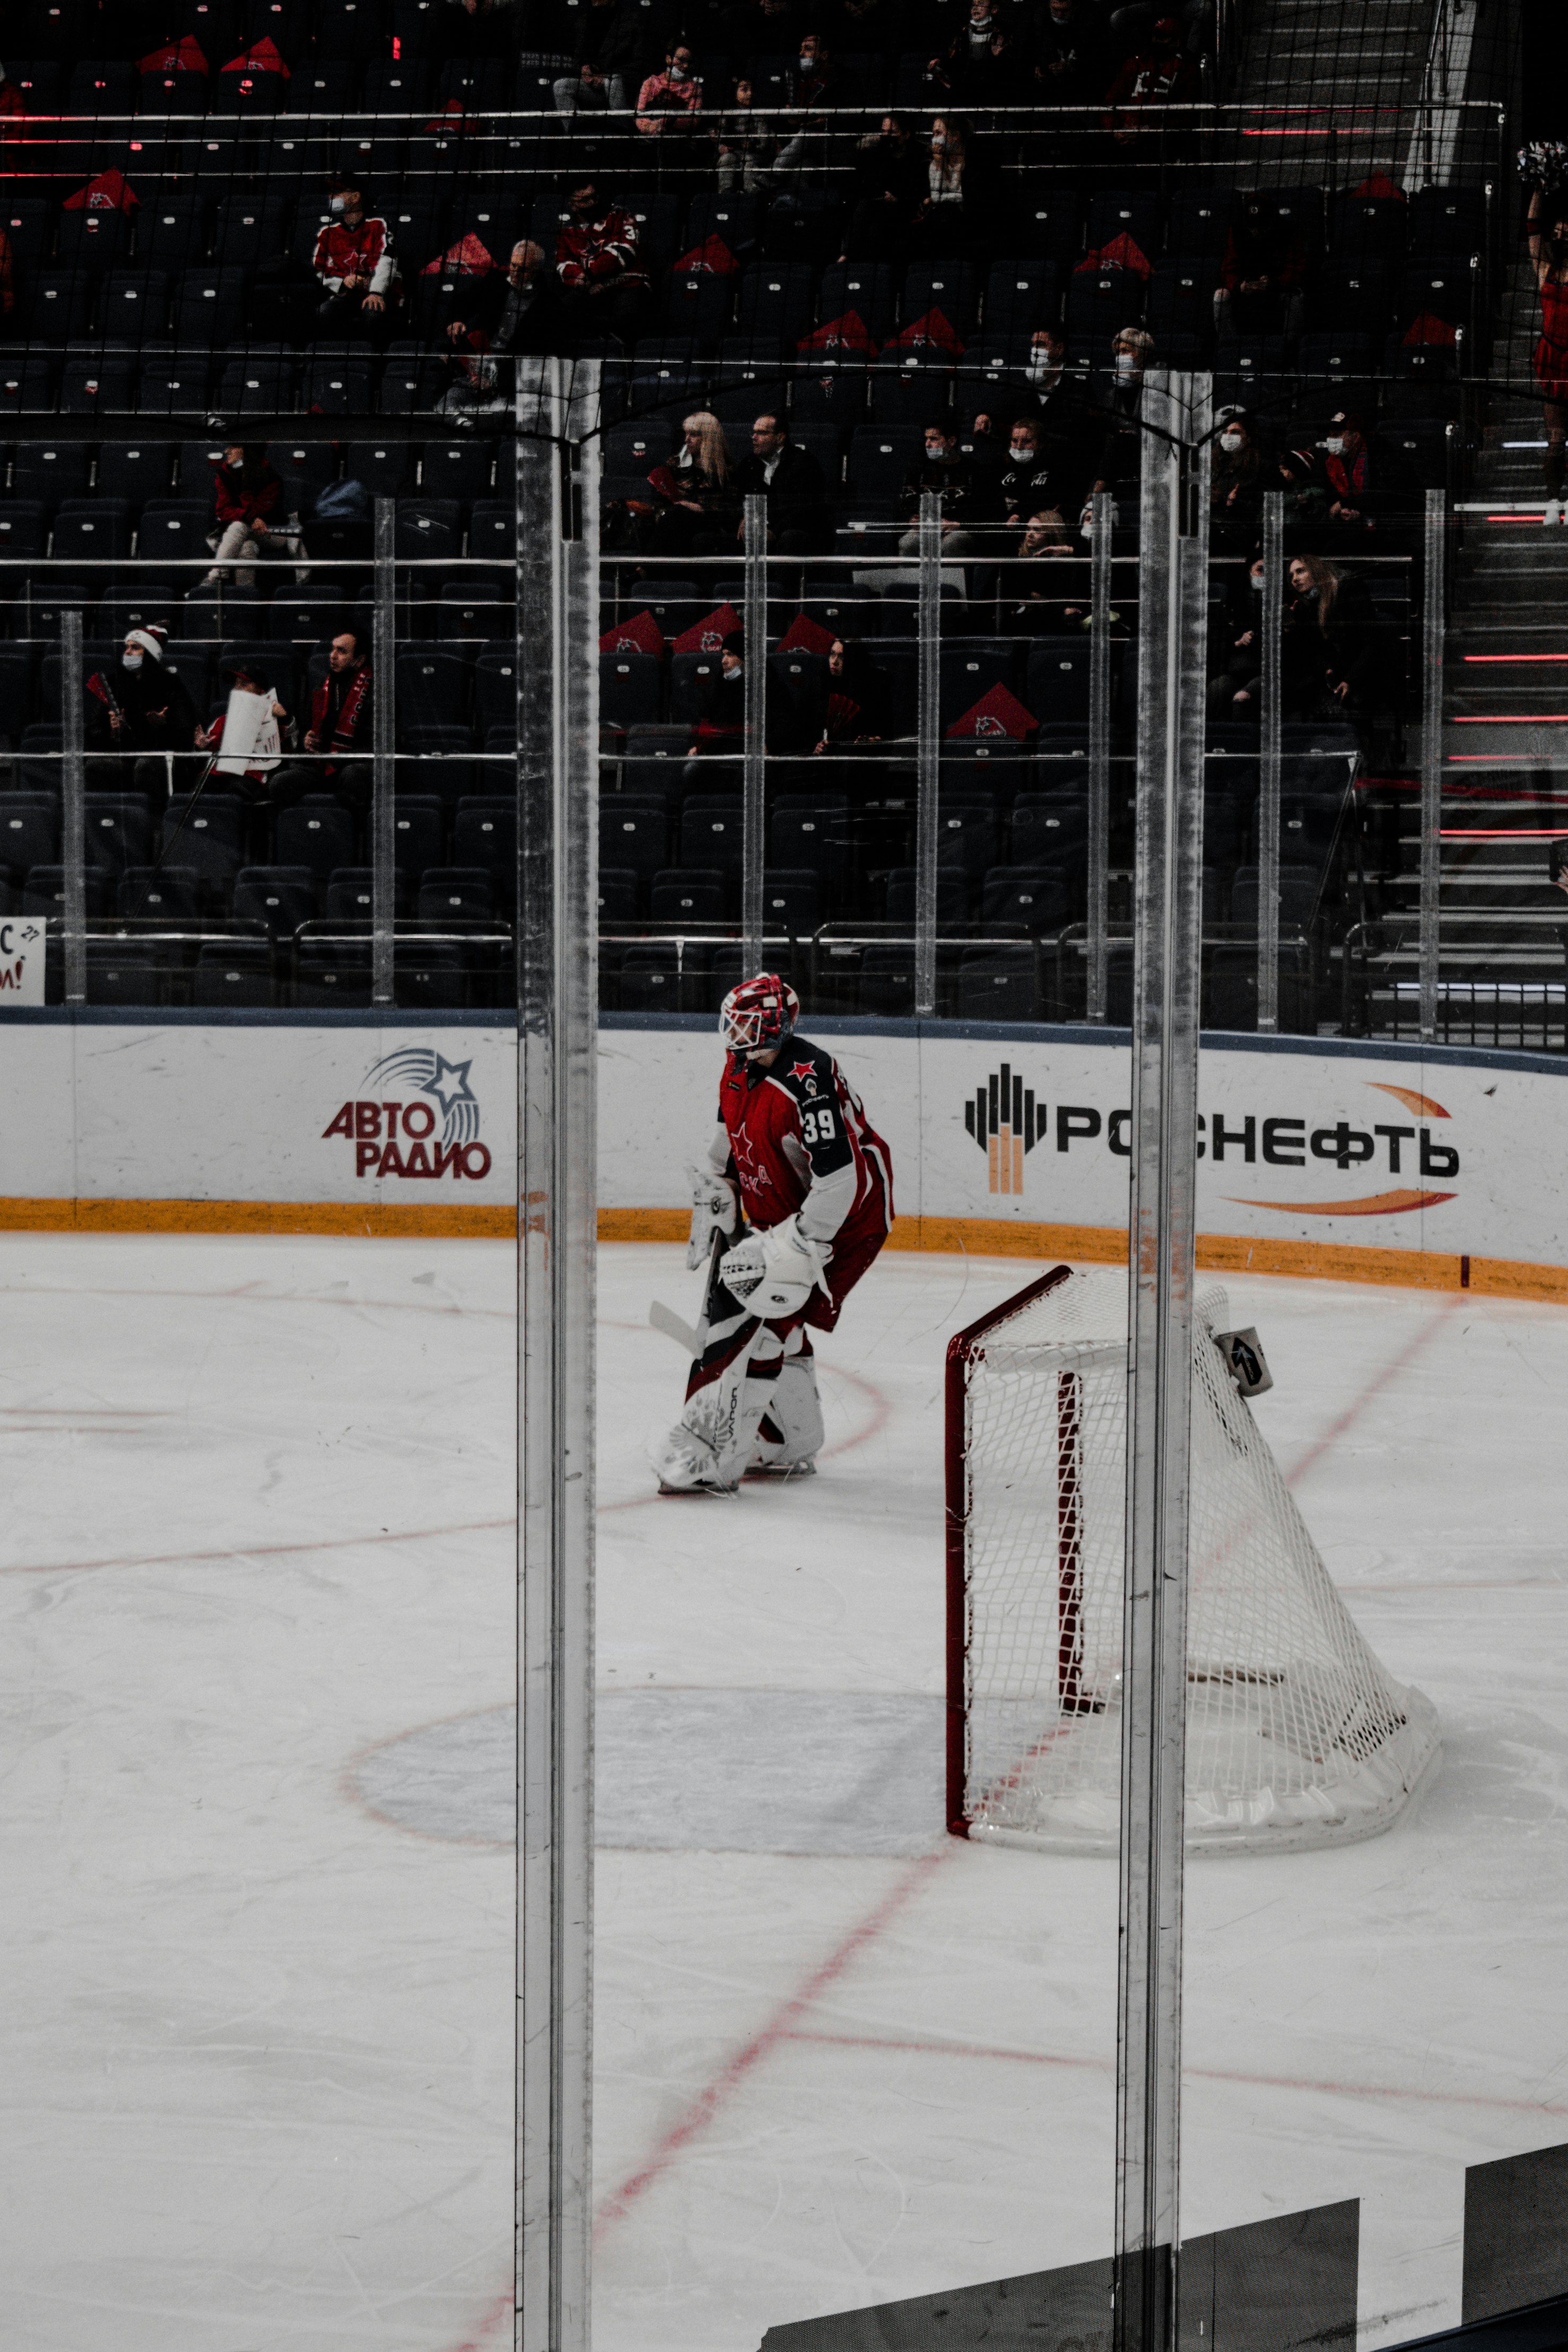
(760, 1013)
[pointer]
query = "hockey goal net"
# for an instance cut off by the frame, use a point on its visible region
(1296, 1735)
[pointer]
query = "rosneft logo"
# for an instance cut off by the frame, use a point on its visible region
(1006, 1119)
(1001, 1119)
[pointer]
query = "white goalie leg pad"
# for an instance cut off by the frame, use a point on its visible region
(794, 1411)
(716, 1435)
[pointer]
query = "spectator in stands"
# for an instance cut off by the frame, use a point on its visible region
(811, 76)
(1026, 483)
(1071, 65)
(979, 68)
(854, 707)
(747, 144)
(695, 488)
(1329, 648)
(263, 756)
(1371, 487)
(1120, 455)
(1236, 640)
(675, 92)
(7, 285)
(248, 501)
(502, 315)
(598, 262)
(888, 161)
(1149, 84)
(1070, 430)
(13, 105)
(613, 55)
(1040, 602)
(1305, 487)
(719, 725)
(141, 709)
(353, 263)
(340, 728)
(789, 478)
(1240, 473)
(942, 466)
(953, 215)
(1549, 258)
(1263, 266)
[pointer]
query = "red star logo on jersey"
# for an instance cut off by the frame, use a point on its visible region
(754, 1177)
(803, 1069)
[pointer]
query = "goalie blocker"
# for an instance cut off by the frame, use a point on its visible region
(793, 1158)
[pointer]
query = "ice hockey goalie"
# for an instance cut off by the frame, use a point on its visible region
(800, 1188)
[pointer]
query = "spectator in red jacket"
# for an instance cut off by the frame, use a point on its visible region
(1157, 78)
(354, 264)
(247, 502)
(598, 260)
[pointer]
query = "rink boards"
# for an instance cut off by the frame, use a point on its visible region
(1437, 1167)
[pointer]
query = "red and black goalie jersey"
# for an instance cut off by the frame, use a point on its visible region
(798, 1138)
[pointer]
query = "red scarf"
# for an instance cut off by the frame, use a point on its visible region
(342, 738)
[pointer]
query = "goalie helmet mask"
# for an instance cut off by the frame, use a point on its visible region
(758, 1013)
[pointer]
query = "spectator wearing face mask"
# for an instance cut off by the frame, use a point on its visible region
(811, 76)
(719, 728)
(1237, 640)
(1120, 463)
(1371, 487)
(1071, 65)
(598, 265)
(942, 466)
(1058, 401)
(954, 216)
(1238, 476)
(980, 65)
(675, 93)
(141, 709)
(1027, 482)
(354, 267)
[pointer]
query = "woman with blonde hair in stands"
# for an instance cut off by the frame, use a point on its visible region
(697, 506)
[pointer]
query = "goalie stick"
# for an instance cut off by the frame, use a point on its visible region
(665, 1318)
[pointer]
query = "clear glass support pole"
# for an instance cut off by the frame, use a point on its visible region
(1095, 989)
(753, 780)
(1167, 970)
(383, 726)
(73, 814)
(1270, 622)
(1433, 635)
(927, 746)
(557, 994)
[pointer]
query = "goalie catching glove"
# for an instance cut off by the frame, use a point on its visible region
(713, 1211)
(774, 1273)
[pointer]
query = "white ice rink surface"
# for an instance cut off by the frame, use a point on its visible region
(255, 2035)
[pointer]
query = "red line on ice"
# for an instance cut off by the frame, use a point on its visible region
(1379, 1380)
(701, 2111)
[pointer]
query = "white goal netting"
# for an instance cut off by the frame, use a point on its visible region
(1296, 1735)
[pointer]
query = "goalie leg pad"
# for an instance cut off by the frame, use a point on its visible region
(716, 1435)
(791, 1432)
